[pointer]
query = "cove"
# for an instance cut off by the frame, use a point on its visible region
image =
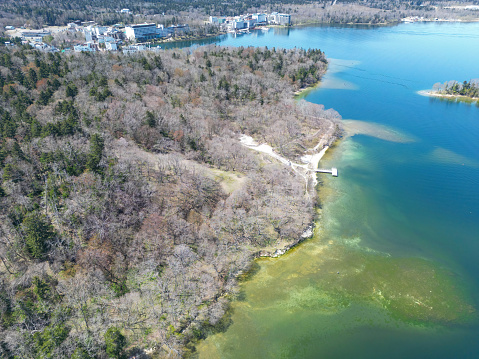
(392, 269)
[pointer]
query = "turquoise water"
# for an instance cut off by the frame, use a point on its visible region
(413, 195)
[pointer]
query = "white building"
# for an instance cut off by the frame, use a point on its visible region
(36, 36)
(88, 36)
(261, 18)
(100, 30)
(104, 39)
(43, 47)
(88, 47)
(177, 29)
(238, 25)
(284, 19)
(142, 32)
(214, 20)
(111, 46)
(145, 32)
(115, 33)
(280, 19)
(250, 23)
(273, 18)
(133, 49)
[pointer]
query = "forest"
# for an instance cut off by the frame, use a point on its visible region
(128, 206)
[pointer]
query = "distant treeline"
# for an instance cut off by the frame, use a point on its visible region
(59, 12)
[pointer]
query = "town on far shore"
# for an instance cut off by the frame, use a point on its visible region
(244, 23)
(134, 38)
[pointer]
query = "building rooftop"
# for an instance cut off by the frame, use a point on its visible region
(143, 25)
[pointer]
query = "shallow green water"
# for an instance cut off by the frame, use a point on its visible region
(392, 269)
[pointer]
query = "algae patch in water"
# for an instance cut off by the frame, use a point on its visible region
(415, 289)
(411, 289)
(327, 278)
(316, 299)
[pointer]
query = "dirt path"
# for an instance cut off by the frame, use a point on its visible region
(311, 161)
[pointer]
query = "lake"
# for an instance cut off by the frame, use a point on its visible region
(392, 270)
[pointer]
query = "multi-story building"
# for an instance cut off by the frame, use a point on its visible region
(88, 36)
(238, 25)
(142, 32)
(176, 30)
(111, 46)
(104, 39)
(133, 49)
(284, 19)
(273, 18)
(36, 36)
(280, 19)
(260, 18)
(115, 33)
(250, 23)
(43, 47)
(88, 47)
(214, 20)
(100, 30)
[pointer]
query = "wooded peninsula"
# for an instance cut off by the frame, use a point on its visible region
(468, 89)
(128, 205)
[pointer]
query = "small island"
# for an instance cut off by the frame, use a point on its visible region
(467, 90)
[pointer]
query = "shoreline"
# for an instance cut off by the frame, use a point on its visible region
(323, 23)
(311, 158)
(431, 93)
(307, 171)
(310, 162)
(305, 90)
(299, 25)
(276, 251)
(189, 38)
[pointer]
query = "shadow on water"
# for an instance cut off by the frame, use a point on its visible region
(193, 44)
(206, 329)
(282, 31)
(454, 100)
(250, 272)
(344, 26)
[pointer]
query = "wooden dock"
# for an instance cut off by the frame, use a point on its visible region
(333, 171)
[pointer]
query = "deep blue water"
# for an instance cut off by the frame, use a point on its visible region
(414, 199)
(432, 182)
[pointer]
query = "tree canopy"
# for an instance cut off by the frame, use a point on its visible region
(128, 204)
